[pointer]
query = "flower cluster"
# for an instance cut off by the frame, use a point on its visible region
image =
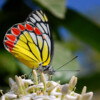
(26, 89)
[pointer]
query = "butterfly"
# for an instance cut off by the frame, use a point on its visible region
(31, 42)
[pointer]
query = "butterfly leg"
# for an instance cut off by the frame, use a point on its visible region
(38, 78)
(25, 76)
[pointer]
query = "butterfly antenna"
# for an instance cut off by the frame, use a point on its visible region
(66, 70)
(66, 64)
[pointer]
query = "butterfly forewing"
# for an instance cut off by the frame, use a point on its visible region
(31, 42)
(40, 20)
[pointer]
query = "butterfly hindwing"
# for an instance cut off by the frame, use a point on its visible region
(31, 42)
(22, 46)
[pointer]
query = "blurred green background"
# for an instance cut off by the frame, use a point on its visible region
(75, 26)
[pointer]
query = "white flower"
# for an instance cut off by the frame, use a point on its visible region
(28, 81)
(10, 95)
(3, 97)
(26, 89)
(87, 96)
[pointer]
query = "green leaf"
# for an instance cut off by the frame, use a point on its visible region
(57, 7)
(7, 62)
(24, 69)
(81, 27)
(92, 82)
(62, 56)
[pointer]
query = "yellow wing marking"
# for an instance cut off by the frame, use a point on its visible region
(28, 37)
(20, 50)
(42, 16)
(35, 50)
(40, 41)
(22, 37)
(21, 43)
(25, 60)
(45, 52)
(47, 62)
(45, 17)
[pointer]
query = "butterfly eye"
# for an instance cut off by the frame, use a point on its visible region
(40, 64)
(51, 72)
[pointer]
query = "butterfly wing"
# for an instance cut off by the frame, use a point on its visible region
(29, 44)
(40, 20)
(18, 41)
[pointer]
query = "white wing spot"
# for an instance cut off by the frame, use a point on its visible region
(39, 14)
(33, 37)
(45, 28)
(48, 41)
(36, 17)
(40, 28)
(48, 29)
(32, 19)
(40, 41)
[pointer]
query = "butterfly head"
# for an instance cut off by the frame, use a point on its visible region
(48, 69)
(51, 70)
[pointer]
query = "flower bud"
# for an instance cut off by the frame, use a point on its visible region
(3, 97)
(87, 96)
(20, 85)
(35, 77)
(17, 80)
(1, 91)
(84, 90)
(43, 79)
(11, 82)
(72, 83)
(65, 89)
(11, 96)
